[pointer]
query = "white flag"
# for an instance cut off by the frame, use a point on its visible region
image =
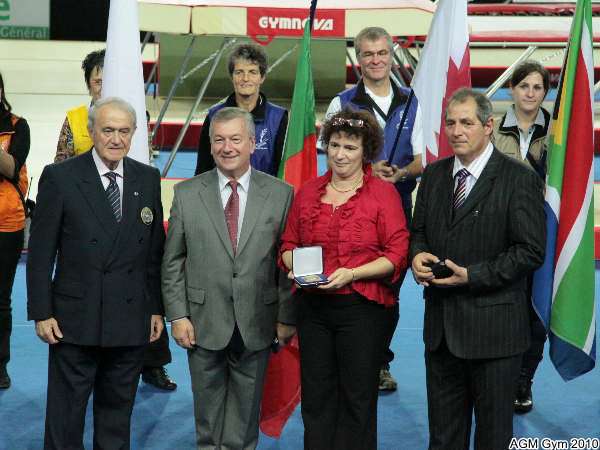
(123, 75)
(443, 68)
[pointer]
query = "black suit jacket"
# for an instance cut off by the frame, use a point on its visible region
(106, 283)
(499, 235)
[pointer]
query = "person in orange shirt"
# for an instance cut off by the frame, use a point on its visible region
(14, 148)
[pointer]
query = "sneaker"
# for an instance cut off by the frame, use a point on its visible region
(386, 380)
(523, 400)
(4, 378)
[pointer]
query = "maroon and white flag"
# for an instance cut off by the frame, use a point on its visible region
(443, 68)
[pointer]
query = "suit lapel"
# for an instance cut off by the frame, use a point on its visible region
(482, 188)
(211, 197)
(90, 185)
(129, 206)
(257, 197)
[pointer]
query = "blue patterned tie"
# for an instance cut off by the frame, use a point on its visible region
(114, 197)
(460, 193)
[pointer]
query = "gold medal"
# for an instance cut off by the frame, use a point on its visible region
(146, 215)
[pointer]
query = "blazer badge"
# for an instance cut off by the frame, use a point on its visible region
(146, 215)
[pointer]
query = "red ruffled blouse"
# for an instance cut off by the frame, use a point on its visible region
(369, 225)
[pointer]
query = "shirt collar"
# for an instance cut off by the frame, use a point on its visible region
(101, 167)
(243, 181)
(477, 165)
(258, 113)
(511, 118)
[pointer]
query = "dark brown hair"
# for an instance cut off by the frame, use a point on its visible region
(251, 53)
(4, 105)
(370, 132)
(91, 61)
(525, 68)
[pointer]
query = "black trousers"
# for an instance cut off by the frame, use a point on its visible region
(74, 372)
(341, 339)
(157, 353)
(456, 387)
(534, 354)
(11, 245)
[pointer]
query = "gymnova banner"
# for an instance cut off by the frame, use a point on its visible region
(24, 19)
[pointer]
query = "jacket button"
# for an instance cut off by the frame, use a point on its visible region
(235, 274)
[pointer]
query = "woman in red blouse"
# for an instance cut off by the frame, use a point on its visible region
(358, 221)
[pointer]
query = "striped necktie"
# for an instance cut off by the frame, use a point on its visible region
(460, 192)
(113, 194)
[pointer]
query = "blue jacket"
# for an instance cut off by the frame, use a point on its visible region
(270, 122)
(357, 98)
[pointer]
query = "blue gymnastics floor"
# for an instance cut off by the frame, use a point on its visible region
(164, 421)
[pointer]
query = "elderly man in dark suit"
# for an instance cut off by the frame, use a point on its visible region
(99, 217)
(223, 292)
(481, 214)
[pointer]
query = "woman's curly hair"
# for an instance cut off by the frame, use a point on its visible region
(356, 123)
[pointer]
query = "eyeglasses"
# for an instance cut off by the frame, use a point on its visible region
(354, 123)
(370, 55)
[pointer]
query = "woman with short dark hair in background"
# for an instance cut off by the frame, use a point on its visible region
(521, 134)
(14, 148)
(358, 221)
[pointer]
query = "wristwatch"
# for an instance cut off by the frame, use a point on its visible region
(404, 176)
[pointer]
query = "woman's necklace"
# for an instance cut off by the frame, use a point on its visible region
(344, 191)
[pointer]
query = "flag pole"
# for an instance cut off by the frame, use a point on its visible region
(402, 122)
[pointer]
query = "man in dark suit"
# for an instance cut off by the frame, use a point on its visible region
(99, 216)
(221, 286)
(481, 213)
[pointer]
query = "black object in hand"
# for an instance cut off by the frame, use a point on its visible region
(440, 270)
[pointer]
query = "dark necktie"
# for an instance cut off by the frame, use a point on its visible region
(114, 197)
(232, 213)
(460, 193)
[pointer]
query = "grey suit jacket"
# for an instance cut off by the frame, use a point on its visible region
(203, 280)
(498, 234)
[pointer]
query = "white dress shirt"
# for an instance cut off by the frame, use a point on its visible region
(242, 189)
(475, 168)
(102, 169)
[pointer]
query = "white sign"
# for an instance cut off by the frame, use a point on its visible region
(24, 19)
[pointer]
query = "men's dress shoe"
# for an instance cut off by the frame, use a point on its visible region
(158, 377)
(4, 378)
(523, 400)
(386, 380)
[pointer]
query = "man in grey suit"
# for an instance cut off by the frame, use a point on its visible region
(480, 213)
(223, 291)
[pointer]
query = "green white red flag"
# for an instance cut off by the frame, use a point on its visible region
(299, 160)
(298, 165)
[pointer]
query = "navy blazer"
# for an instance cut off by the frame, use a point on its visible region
(106, 283)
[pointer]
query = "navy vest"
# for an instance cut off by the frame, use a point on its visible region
(404, 152)
(265, 132)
